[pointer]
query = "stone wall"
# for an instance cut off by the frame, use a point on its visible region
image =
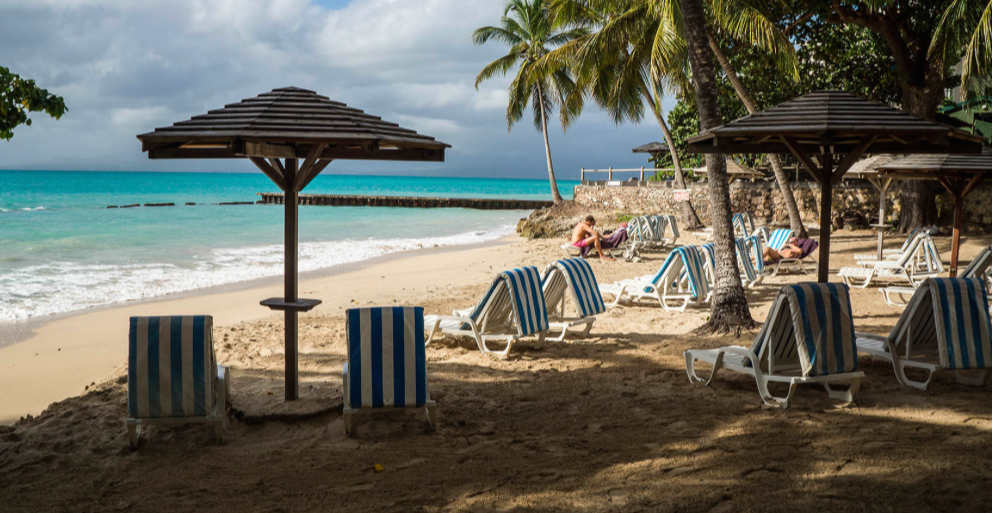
(764, 201)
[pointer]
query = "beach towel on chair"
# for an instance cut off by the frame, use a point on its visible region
(171, 367)
(692, 263)
(581, 284)
(387, 365)
(526, 299)
(823, 327)
(744, 258)
(961, 322)
(779, 238)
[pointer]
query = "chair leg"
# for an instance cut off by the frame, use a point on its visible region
(900, 367)
(846, 396)
(588, 329)
(432, 415)
(220, 425)
(347, 421)
(133, 432)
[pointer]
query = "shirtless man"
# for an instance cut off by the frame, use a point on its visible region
(790, 250)
(584, 235)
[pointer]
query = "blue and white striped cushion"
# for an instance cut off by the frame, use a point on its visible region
(526, 297)
(670, 220)
(692, 262)
(387, 365)
(171, 368)
(581, 284)
(740, 229)
(779, 238)
(822, 320)
(744, 259)
(757, 248)
(933, 260)
(964, 331)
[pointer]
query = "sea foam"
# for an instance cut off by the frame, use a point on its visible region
(59, 287)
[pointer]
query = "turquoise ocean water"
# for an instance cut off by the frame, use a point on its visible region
(62, 250)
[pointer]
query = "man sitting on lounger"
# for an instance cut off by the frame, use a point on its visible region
(796, 248)
(583, 235)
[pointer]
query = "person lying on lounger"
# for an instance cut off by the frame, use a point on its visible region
(583, 235)
(796, 248)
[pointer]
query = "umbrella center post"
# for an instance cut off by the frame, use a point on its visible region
(291, 293)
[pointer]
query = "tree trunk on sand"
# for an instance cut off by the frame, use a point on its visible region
(795, 219)
(690, 220)
(729, 311)
(919, 197)
(555, 195)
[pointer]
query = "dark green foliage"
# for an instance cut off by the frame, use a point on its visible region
(19, 96)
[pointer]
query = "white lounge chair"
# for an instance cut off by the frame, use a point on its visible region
(387, 362)
(932, 265)
(512, 308)
(173, 376)
(945, 326)
(673, 227)
(808, 338)
(889, 254)
(902, 267)
(750, 275)
(670, 283)
(777, 240)
(573, 279)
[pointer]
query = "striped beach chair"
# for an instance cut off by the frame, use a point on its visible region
(903, 267)
(573, 279)
(750, 276)
(708, 251)
(673, 227)
(778, 238)
(889, 254)
(740, 227)
(512, 308)
(808, 338)
(946, 326)
(387, 363)
(173, 376)
(681, 278)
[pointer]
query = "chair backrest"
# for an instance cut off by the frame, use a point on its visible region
(740, 228)
(709, 262)
(673, 224)
(693, 265)
(636, 229)
(744, 259)
(979, 266)
(171, 367)
(763, 232)
(575, 275)
(932, 257)
(820, 340)
(948, 317)
(757, 247)
(909, 252)
(909, 239)
(748, 222)
(515, 296)
(387, 364)
(779, 238)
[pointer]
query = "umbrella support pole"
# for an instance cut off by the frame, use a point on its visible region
(292, 291)
(826, 203)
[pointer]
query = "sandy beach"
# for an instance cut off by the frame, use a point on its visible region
(608, 423)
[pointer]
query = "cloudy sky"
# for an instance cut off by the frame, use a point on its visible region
(127, 66)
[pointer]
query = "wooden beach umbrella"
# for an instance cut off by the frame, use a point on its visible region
(828, 131)
(306, 131)
(959, 174)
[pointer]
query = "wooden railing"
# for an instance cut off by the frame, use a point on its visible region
(609, 172)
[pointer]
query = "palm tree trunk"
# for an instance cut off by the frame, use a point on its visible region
(555, 195)
(729, 310)
(795, 218)
(689, 217)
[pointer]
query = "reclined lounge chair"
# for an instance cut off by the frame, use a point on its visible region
(945, 327)
(670, 283)
(808, 338)
(571, 279)
(512, 308)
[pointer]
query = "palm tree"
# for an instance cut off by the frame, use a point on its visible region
(527, 30)
(729, 309)
(613, 66)
(966, 25)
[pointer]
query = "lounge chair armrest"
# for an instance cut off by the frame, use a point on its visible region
(462, 313)
(740, 351)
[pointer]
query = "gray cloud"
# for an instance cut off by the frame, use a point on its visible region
(127, 67)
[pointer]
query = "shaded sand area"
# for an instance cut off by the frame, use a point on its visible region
(609, 423)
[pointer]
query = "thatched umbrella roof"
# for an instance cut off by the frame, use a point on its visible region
(651, 147)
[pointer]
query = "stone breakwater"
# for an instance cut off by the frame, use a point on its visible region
(339, 200)
(764, 201)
